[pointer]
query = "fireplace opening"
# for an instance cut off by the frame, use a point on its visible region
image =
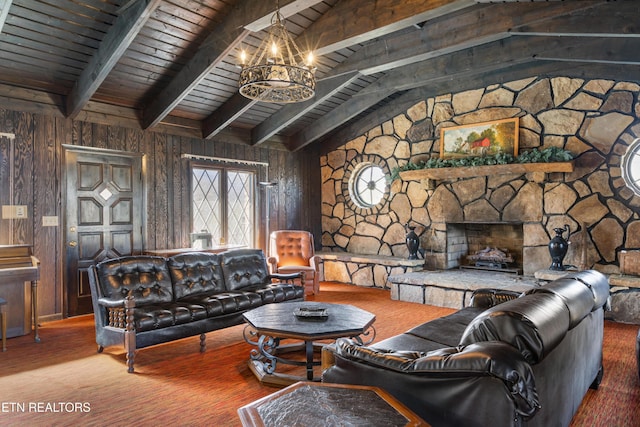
(485, 246)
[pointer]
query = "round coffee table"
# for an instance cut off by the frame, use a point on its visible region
(305, 321)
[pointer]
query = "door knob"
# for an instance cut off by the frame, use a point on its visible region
(73, 243)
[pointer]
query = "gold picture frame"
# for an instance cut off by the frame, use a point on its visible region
(480, 139)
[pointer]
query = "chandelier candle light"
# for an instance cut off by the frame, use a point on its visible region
(277, 72)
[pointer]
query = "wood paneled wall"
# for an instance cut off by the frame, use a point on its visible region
(39, 173)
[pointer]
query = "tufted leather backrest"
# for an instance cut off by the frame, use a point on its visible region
(244, 268)
(596, 282)
(534, 324)
(146, 278)
(291, 247)
(195, 273)
(576, 296)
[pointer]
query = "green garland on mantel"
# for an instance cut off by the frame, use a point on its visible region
(547, 155)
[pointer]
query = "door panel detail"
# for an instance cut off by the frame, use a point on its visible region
(122, 212)
(90, 176)
(121, 178)
(89, 212)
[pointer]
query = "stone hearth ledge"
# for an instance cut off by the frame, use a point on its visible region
(549, 275)
(453, 288)
(363, 269)
(371, 259)
(625, 298)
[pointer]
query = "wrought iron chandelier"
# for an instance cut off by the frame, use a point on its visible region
(277, 72)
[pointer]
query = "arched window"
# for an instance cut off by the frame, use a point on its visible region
(631, 166)
(367, 185)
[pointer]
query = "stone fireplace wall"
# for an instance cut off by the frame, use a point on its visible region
(594, 119)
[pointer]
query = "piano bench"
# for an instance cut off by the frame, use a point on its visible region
(3, 319)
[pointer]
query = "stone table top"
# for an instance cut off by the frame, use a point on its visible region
(322, 404)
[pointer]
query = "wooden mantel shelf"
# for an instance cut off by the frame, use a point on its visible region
(439, 174)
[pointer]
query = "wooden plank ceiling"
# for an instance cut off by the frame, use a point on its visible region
(170, 65)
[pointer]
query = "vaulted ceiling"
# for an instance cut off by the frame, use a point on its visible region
(171, 65)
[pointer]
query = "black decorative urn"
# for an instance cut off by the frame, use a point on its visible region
(558, 247)
(412, 240)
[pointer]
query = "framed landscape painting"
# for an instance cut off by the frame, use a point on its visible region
(480, 139)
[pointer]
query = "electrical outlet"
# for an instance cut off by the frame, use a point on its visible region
(49, 221)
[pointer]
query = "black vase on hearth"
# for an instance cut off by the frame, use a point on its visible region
(558, 247)
(412, 241)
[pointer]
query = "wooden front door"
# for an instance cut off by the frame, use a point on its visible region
(104, 215)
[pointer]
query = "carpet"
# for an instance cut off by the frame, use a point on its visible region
(63, 381)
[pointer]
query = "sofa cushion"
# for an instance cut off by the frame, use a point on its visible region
(278, 292)
(195, 273)
(408, 342)
(146, 278)
(447, 330)
(534, 325)
(226, 302)
(438, 333)
(152, 317)
(576, 296)
(244, 269)
(288, 269)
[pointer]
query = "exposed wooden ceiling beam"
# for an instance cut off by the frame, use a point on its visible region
(597, 50)
(226, 114)
(290, 113)
(357, 21)
(113, 46)
(485, 58)
(335, 118)
(454, 32)
(223, 40)
(609, 19)
(287, 9)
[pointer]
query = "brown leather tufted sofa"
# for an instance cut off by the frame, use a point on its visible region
(505, 361)
(145, 300)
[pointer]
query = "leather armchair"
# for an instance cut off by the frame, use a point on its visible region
(292, 251)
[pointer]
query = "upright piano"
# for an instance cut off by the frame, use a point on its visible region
(19, 275)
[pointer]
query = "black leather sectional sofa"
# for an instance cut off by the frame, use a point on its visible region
(140, 301)
(508, 360)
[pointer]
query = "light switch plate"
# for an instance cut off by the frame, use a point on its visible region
(49, 221)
